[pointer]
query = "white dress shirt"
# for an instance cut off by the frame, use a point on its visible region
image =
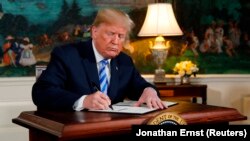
(78, 105)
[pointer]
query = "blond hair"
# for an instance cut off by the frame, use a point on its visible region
(114, 16)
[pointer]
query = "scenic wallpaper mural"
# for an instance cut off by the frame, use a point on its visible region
(216, 33)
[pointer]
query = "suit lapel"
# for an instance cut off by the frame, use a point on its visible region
(89, 64)
(92, 73)
(113, 79)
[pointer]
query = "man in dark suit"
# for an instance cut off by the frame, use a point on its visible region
(71, 80)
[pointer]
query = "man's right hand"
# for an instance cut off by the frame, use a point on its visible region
(97, 101)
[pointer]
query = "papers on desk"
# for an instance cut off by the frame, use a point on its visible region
(127, 107)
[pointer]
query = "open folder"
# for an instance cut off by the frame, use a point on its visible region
(128, 108)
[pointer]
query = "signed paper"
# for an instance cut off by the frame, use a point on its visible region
(127, 107)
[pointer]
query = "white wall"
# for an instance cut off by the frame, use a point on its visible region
(15, 97)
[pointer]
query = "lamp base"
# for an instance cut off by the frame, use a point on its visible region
(159, 76)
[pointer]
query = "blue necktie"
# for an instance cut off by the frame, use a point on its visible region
(103, 78)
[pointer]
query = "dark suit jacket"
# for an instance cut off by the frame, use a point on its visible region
(72, 72)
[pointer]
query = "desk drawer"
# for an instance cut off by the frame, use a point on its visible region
(183, 91)
(165, 93)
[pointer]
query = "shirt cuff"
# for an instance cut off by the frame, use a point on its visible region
(78, 105)
(151, 89)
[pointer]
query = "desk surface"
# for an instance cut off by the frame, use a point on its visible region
(70, 125)
(176, 85)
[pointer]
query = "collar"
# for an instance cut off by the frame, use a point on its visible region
(98, 56)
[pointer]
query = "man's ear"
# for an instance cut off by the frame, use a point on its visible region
(93, 31)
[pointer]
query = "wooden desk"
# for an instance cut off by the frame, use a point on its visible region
(55, 126)
(174, 90)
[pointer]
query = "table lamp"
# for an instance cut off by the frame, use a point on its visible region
(160, 21)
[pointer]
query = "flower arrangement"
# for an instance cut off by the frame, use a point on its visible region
(186, 68)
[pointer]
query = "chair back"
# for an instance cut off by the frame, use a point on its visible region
(39, 70)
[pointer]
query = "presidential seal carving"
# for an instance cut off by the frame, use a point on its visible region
(167, 118)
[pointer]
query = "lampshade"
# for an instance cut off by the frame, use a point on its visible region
(160, 20)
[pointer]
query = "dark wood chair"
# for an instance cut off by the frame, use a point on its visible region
(39, 70)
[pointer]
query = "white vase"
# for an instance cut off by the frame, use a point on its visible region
(185, 80)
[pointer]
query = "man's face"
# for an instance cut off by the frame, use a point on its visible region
(109, 39)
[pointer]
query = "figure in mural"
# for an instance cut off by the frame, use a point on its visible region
(15, 47)
(8, 53)
(77, 31)
(234, 33)
(192, 42)
(62, 38)
(229, 47)
(212, 43)
(245, 45)
(219, 33)
(27, 56)
(44, 40)
(209, 39)
(1, 55)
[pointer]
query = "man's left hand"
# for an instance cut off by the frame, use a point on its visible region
(150, 97)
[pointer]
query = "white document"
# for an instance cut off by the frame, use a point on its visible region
(127, 107)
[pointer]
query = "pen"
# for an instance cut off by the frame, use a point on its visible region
(96, 89)
(111, 107)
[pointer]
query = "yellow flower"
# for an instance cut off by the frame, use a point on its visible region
(185, 68)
